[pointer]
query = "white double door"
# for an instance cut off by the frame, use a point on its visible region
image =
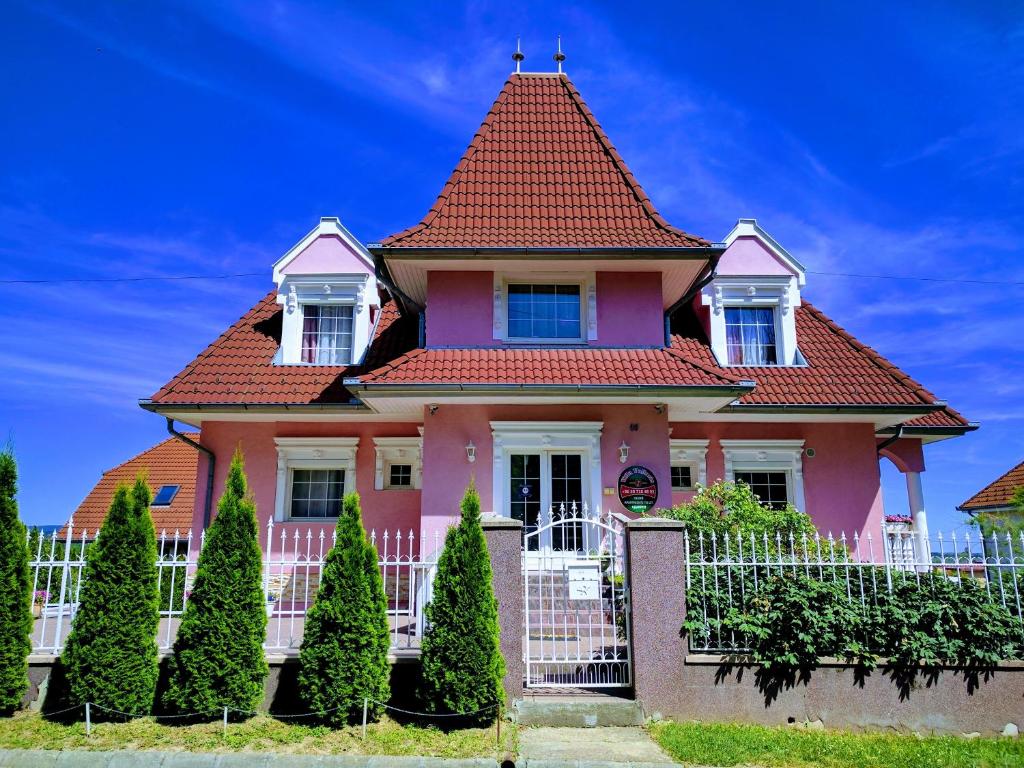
(541, 481)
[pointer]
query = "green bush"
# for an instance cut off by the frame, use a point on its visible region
(344, 654)
(15, 591)
(111, 654)
(218, 656)
(461, 659)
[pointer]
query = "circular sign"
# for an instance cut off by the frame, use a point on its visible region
(525, 491)
(638, 489)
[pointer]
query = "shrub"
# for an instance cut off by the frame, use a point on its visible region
(344, 654)
(461, 660)
(111, 655)
(218, 656)
(15, 591)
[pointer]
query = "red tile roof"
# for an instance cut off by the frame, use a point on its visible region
(168, 463)
(999, 492)
(540, 173)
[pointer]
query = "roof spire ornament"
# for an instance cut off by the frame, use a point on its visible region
(518, 56)
(559, 56)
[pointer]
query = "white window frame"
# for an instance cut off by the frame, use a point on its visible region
(779, 294)
(588, 305)
(693, 454)
(768, 456)
(300, 291)
(397, 450)
(311, 453)
(546, 437)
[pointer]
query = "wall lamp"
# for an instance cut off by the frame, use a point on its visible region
(623, 452)
(470, 452)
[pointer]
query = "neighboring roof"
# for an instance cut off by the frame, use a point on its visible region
(171, 462)
(540, 173)
(238, 367)
(998, 493)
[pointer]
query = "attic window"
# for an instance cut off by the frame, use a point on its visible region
(750, 336)
(165, 495)
(327, 334)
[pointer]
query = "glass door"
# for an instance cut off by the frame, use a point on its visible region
(525, 497)
(547, 481)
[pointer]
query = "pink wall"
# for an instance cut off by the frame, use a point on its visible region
(906, 453)
(327, 254)
(842, 483)
(460, 309)
(446, 473)
(381, 509)
(748, 256)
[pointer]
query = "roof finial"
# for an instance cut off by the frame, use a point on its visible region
(518, 56)
(559, 56)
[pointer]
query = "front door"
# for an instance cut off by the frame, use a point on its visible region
(546, 481)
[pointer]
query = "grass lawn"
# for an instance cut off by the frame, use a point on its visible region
(259, 734)
(724, 745)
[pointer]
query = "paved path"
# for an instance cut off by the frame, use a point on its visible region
(550, 747)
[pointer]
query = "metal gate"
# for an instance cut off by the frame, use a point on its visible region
(576, 599)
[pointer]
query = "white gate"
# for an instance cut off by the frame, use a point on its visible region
(576, 599)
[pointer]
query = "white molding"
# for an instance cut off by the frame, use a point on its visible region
(776, 292)
(397, 450)
(693, 453)
(297, 291)
(768, 456)
(312, 453)
(587, 281)
(545, 437)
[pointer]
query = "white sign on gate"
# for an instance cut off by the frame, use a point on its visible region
(584, 580)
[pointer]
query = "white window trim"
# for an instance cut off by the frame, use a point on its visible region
(588, 304)
(691, 453)
(768, 456)
(510, 437)
(398, 450)
(299, 291)
(311, 453)
(778, 293)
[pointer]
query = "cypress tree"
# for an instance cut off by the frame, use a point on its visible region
(15, 591)
(218, 656)
(344, 655)
(461, 659)
(111, 655)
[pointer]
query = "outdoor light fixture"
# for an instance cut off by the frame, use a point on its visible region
(623, 452)
(432, 408)
(470, 452)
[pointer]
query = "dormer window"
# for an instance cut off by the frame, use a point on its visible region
(750, 336)
(327, 334)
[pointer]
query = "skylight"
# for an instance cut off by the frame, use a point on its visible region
(165, 495)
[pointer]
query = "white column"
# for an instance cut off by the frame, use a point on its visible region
(915, 497)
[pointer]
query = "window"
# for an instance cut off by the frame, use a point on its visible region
(165, 495)
(544, 311)
(400, 476)
(682, 477)
(316, 492)
(772, 488)
(327, 334)
(750, 336)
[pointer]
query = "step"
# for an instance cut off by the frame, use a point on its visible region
(577, 711)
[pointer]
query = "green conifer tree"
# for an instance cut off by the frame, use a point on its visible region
(461, 658)
(344, 655)
(111, 656)
(15, 591)
(218, 656)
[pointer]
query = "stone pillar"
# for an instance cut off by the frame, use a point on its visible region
(657, 590)
(915, 497)
(505, 544)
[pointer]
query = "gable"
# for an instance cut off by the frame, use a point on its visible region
(750, 256)
(327, 255)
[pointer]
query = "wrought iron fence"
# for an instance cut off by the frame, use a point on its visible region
(293, 562)
(726, 571)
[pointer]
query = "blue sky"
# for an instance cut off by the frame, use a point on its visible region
(148, 139)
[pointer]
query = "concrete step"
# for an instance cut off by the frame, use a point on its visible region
(577, 712)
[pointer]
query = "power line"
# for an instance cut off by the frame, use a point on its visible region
(41, 281)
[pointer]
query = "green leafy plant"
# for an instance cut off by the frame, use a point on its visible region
(461, 660)
(218, 656)
(15, 591)
(344, 654)
(111, 655)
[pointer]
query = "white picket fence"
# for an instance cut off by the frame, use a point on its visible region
(293, 561)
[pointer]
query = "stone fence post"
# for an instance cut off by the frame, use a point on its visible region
(505, 544)
(657, 589)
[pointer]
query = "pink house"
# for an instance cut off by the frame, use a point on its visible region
(540, 331)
